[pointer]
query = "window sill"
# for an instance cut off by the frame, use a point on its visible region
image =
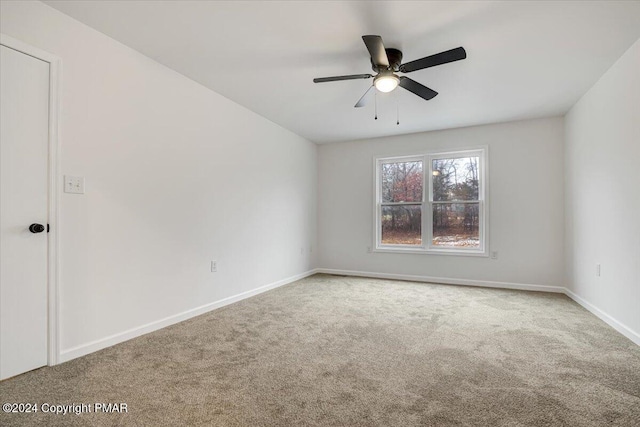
(424, 251)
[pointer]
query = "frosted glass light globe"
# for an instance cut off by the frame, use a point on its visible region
(386, 82)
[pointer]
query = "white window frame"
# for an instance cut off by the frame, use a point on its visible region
(427, 204)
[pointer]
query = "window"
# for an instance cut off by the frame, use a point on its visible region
(432, 203)
(402, 197)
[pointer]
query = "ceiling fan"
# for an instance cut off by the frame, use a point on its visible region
(387, 62)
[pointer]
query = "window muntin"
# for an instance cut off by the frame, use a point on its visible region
(432, 203)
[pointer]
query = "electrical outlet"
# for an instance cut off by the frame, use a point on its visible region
(368, 249)
(494, 255)
(74, 184)
(214, 266)
(598, 270)
(301, 251)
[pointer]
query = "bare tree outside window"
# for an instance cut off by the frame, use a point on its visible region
(456, 207)
(401, 207)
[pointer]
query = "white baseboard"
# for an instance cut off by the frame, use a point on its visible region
(96, 345)
(445, 280)
(618, 326)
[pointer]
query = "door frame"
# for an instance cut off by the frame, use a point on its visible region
(55, 69)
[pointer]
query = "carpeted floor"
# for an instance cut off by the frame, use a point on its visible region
(338, 351)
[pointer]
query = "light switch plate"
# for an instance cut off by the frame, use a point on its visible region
(74, 184)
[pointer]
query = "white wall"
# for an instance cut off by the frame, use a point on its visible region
(176, 175)
(602, 157)
(526, 204)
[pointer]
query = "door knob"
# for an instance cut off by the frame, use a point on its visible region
(36, 228)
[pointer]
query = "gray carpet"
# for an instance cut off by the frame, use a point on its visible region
(337, 351)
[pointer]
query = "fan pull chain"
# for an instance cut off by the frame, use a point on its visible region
(375, 102)
(398, 115)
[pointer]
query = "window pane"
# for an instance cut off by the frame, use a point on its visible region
(456, 225)
(455, 179)
(401, 182)
(402, 225)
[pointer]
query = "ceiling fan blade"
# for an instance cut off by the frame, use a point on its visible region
(337, 78)
(433, 60)
(416, 88)
(364, 99)
(376, 50)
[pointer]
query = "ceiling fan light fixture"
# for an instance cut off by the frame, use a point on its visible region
(386, 82)
(386, 62)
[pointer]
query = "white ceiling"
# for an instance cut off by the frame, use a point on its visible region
(525, 59)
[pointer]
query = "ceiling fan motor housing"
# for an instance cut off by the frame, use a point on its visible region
(395, 59)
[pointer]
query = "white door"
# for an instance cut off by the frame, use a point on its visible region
(24, 128)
